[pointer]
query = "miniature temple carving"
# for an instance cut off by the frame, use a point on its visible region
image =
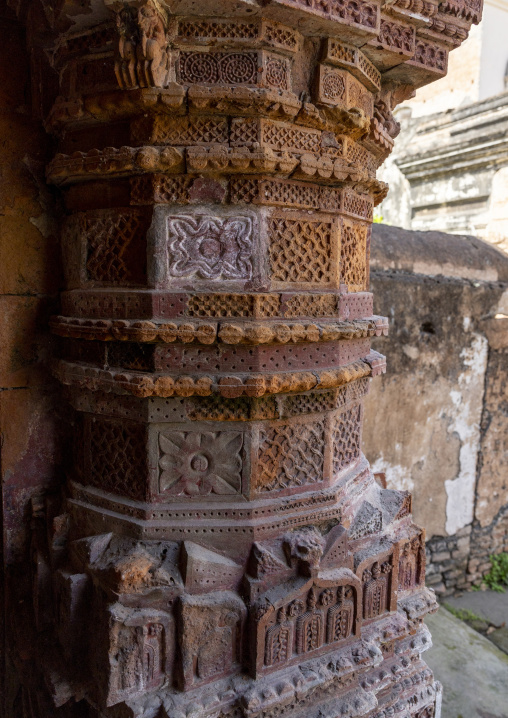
(221, 546)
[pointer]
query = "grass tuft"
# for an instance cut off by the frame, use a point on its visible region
(497, 578)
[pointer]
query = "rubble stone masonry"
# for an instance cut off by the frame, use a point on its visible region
(218, 546)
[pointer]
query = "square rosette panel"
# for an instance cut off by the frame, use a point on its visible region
(205, 250)
(338, 88)
(198, 462)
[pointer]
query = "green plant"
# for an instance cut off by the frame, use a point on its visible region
(378, 218)
(464, 614)
(497, 577)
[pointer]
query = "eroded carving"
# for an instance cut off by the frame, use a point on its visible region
(143, 57)
(198, 464)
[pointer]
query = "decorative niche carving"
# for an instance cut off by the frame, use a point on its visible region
(412, 563)
(309, 620)
(376, 589)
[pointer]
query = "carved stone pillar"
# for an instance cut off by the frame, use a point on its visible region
(224, 548)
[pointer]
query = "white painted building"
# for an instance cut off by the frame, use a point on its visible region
(449, 170)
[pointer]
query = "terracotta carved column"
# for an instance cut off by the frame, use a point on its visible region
(223, 549)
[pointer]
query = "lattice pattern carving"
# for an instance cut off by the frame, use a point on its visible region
(358, 155)
(346, 438)
(234, 305)
(118, 458)
(277, 34)
(286, 193)
(358, 205)
(221, 305)
(113, 256)
(357, 389)
(311, 305)
(181, 131)
(294, 194)
(148, 189)
(350, 57)
(301, 250)
(314, 403)
(217, 30)
(368, 521)
(245, 132)
(369, 70)
(290, 455)
(353, 256)
(279, 136)
(244, 190)
(268, 305)
(218, 408)
(341, 53)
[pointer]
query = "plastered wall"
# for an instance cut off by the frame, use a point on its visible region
(445, 388)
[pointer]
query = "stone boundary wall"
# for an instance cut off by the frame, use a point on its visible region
(446, 440)
(459, 562)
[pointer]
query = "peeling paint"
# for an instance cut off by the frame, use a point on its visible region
(467, 400)
(45, 224)
(397, 477)
(502, 307)
(411, 352)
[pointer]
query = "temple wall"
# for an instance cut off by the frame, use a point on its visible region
(32, 424)
(445, 440)
(29, 282)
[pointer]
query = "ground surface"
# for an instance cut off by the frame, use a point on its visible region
(491, 608)
(473, 671)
